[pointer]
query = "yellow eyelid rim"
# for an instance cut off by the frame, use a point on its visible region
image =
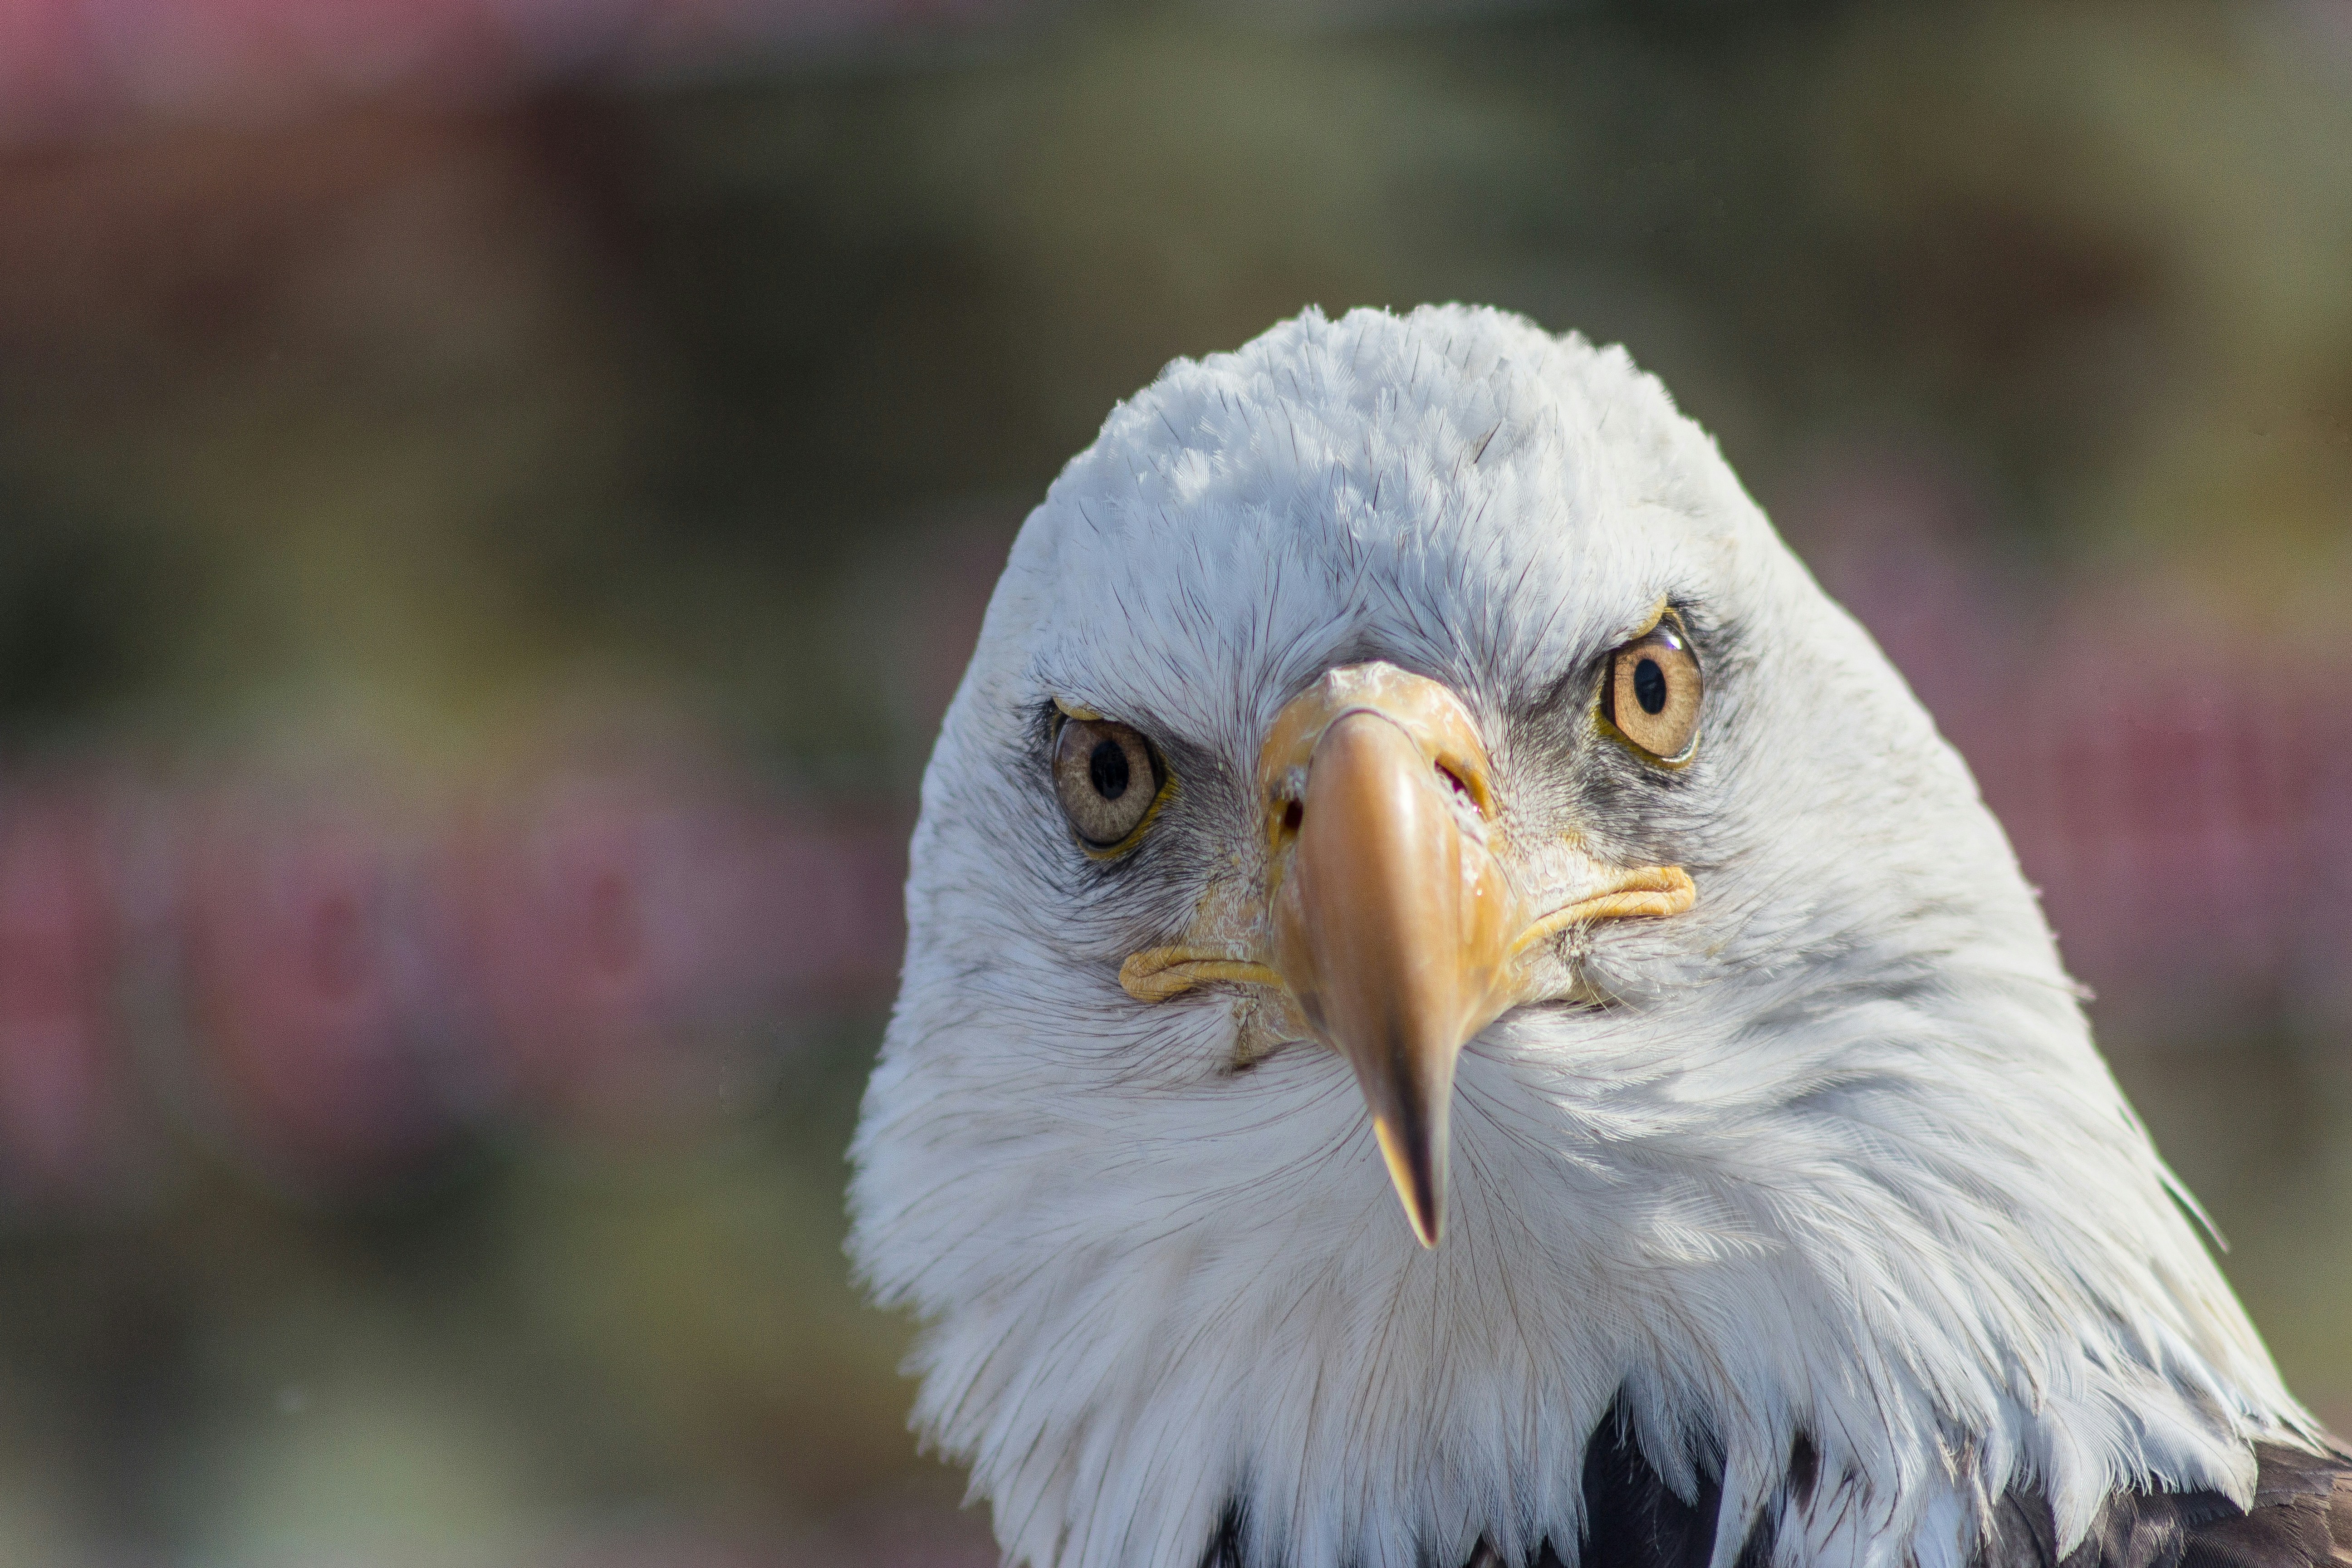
(1602, 723)
(1150, 813)
(1658, 614)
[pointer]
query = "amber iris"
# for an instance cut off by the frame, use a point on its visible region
(1651, 693)
(1106, 778)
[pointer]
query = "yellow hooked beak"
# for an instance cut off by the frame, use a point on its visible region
(1387, 914)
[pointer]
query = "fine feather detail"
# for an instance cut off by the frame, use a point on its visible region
(1830, 1158)
(2300, 1518)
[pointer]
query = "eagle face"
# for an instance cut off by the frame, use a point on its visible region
(1435, 952)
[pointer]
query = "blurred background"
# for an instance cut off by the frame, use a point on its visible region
(495, 495)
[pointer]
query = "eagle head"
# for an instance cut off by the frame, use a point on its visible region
(1434, 949)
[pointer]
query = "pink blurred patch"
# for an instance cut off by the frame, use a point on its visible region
(315, 986)
(63, 1076)
(66, 63)
(631, 937)
(2186, 808)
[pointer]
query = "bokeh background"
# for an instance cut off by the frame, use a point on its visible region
(494, 494)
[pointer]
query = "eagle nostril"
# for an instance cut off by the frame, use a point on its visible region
(1293, 814)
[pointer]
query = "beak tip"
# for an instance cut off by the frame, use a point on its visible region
(1426, 1210)
(1416, 1169)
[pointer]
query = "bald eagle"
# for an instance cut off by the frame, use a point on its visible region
(1402, 768)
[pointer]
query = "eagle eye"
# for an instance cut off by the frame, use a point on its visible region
(1650, 696)
(1108, 778)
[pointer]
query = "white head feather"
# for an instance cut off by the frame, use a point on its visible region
(1842, 1161)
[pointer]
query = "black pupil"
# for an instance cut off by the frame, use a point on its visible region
(1106, 767)
(1649, 691)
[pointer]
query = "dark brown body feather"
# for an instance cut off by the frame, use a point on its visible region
(2300, 1518)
